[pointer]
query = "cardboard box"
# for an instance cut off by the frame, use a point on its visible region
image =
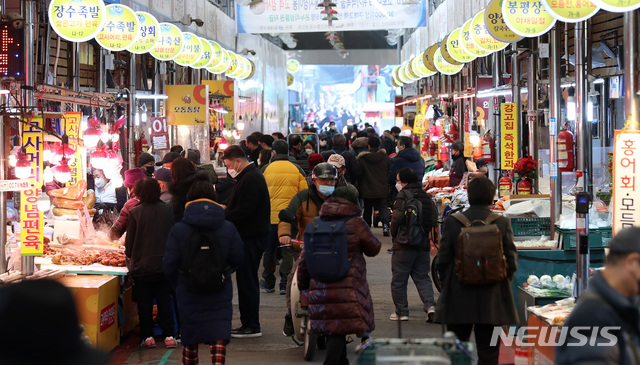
(96, 298)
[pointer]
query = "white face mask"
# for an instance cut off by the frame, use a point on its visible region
(397, 149)
(309, 151)
(398, 186)
(99, 182)
(232, 172)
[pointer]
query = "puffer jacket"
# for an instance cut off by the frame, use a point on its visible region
(361, 144)
(284, 180)
(371, 169)
(304, 206)
(408, 157)
(179, 190)
(345, 306)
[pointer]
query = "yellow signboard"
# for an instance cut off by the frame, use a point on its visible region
(223, 65)
(121, 29)
(618, 6)
(427, 59)
(31, 220)
(495, 23)
(187, 104)
(233, 63)
(77, 20)
(72, 122)
(293, 66)
(445, 52)
(509, 135)
(224, 89)
(455, 48)
(481, 36)
(249, 68)
(205, 57)
(527, 18)
(239, 69)
(217, 53)
(626, 213)
(169, 42)
(445, 67)
(418, 67)
(467, 43)
(148, 35)
(191, 50)
(571, 11)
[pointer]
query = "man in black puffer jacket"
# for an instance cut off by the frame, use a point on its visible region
(371, 169)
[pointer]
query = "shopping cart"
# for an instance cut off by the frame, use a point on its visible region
(428, 351)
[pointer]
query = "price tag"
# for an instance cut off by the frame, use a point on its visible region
(553, 170)
(553, 124)
(581, 224)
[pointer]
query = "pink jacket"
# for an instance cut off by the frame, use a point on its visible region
(120, 226)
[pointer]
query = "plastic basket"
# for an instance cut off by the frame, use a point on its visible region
(598, 238)
(533, 226)
(419, 352)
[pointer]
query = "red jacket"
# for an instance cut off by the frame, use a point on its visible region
(120, 226)
(345, 306)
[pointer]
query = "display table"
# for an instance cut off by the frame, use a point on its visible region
(542, 355)
(96, 298)
(526, 300)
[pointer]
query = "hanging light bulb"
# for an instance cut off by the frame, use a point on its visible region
(91, 135)
(99, 158)
(571, 108)
(105, 137)
(12, 156)
(44, 203)
(115, 137)
(62, 172)
(47, 175)
(117, 181)
(64, 151)
(47, 152)
(143, 117)
(223, 144)
(23, 166)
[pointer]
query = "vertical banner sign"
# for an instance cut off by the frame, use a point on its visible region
(625, 155)
(187, 104)
(73, 131)
(508, 135)
(31, 220)
(223, 95)
(159, 134)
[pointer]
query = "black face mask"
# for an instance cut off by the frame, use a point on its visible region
(150, 170)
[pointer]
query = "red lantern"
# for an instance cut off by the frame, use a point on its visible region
(524, 187)
(505, 185)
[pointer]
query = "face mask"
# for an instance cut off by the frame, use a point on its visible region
(99, 182)
(398, 186)
(150, 170)
(323, 143)
(397, 149)
(333, 128)
(232, 172)
(309, 151)
(326, 190)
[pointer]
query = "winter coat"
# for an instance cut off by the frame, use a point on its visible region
(179, 190)
(304, 206)
(361, 144)
(475, 304)
(204, 318)
(603, 306)
(248, 206)
(458, 168)
(120, 226)
(147, 231)
(284, 180)
(388, 143)
(210, 171)
(165, 196)
(408, 157)
(371, 169)
(344, 306)
(349, 161)
(429, 215)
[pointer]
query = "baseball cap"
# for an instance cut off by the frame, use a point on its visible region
(626, 241)
(169, 157)
(336, 160)
(145, 158)
(162, 174)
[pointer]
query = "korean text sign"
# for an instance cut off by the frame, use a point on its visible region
(31, 219)
(77, 20)
(509, 135)
(159, 134)
(72, 123)
(626, 155)
(187, 104)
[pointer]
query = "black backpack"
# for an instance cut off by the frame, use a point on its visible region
(203, 268)
(410, 232)
(326, 249)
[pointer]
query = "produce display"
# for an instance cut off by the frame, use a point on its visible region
(542, 242)
(556, 313)
(545, 286)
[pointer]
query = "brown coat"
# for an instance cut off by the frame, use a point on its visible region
(345, 306)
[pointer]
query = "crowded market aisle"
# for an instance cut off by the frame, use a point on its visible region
(273, 347)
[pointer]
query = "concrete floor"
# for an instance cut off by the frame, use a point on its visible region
(274, 348)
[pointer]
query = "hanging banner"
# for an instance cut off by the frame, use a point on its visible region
(159, 134)
(191, 50)
(222, 93)
(495, 23)
(509, 135)
(571, 11)
(205, 57)
(305, 16)
(626, 213)
(618, 6)
(72, 122)
(77, 20)
(467, 43)
(169, 42)
(455, 49)
(187, 104)
(31, 220)
(222, 66)
(445, 67)
(481, 36)
(148, 35)
(527, 18)
(120, 30)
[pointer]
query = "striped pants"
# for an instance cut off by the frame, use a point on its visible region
(218, 353)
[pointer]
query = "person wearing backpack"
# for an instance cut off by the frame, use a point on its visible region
(414, 215)
(205, 315)
(477, 306)
(344, 306)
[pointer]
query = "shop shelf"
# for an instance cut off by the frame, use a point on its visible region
(598, 238)
(531, 226)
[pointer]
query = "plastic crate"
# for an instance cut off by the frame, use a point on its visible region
(533, 226)
(598, 238)
(414, 353)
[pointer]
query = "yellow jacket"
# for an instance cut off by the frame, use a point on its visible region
(284, 180)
